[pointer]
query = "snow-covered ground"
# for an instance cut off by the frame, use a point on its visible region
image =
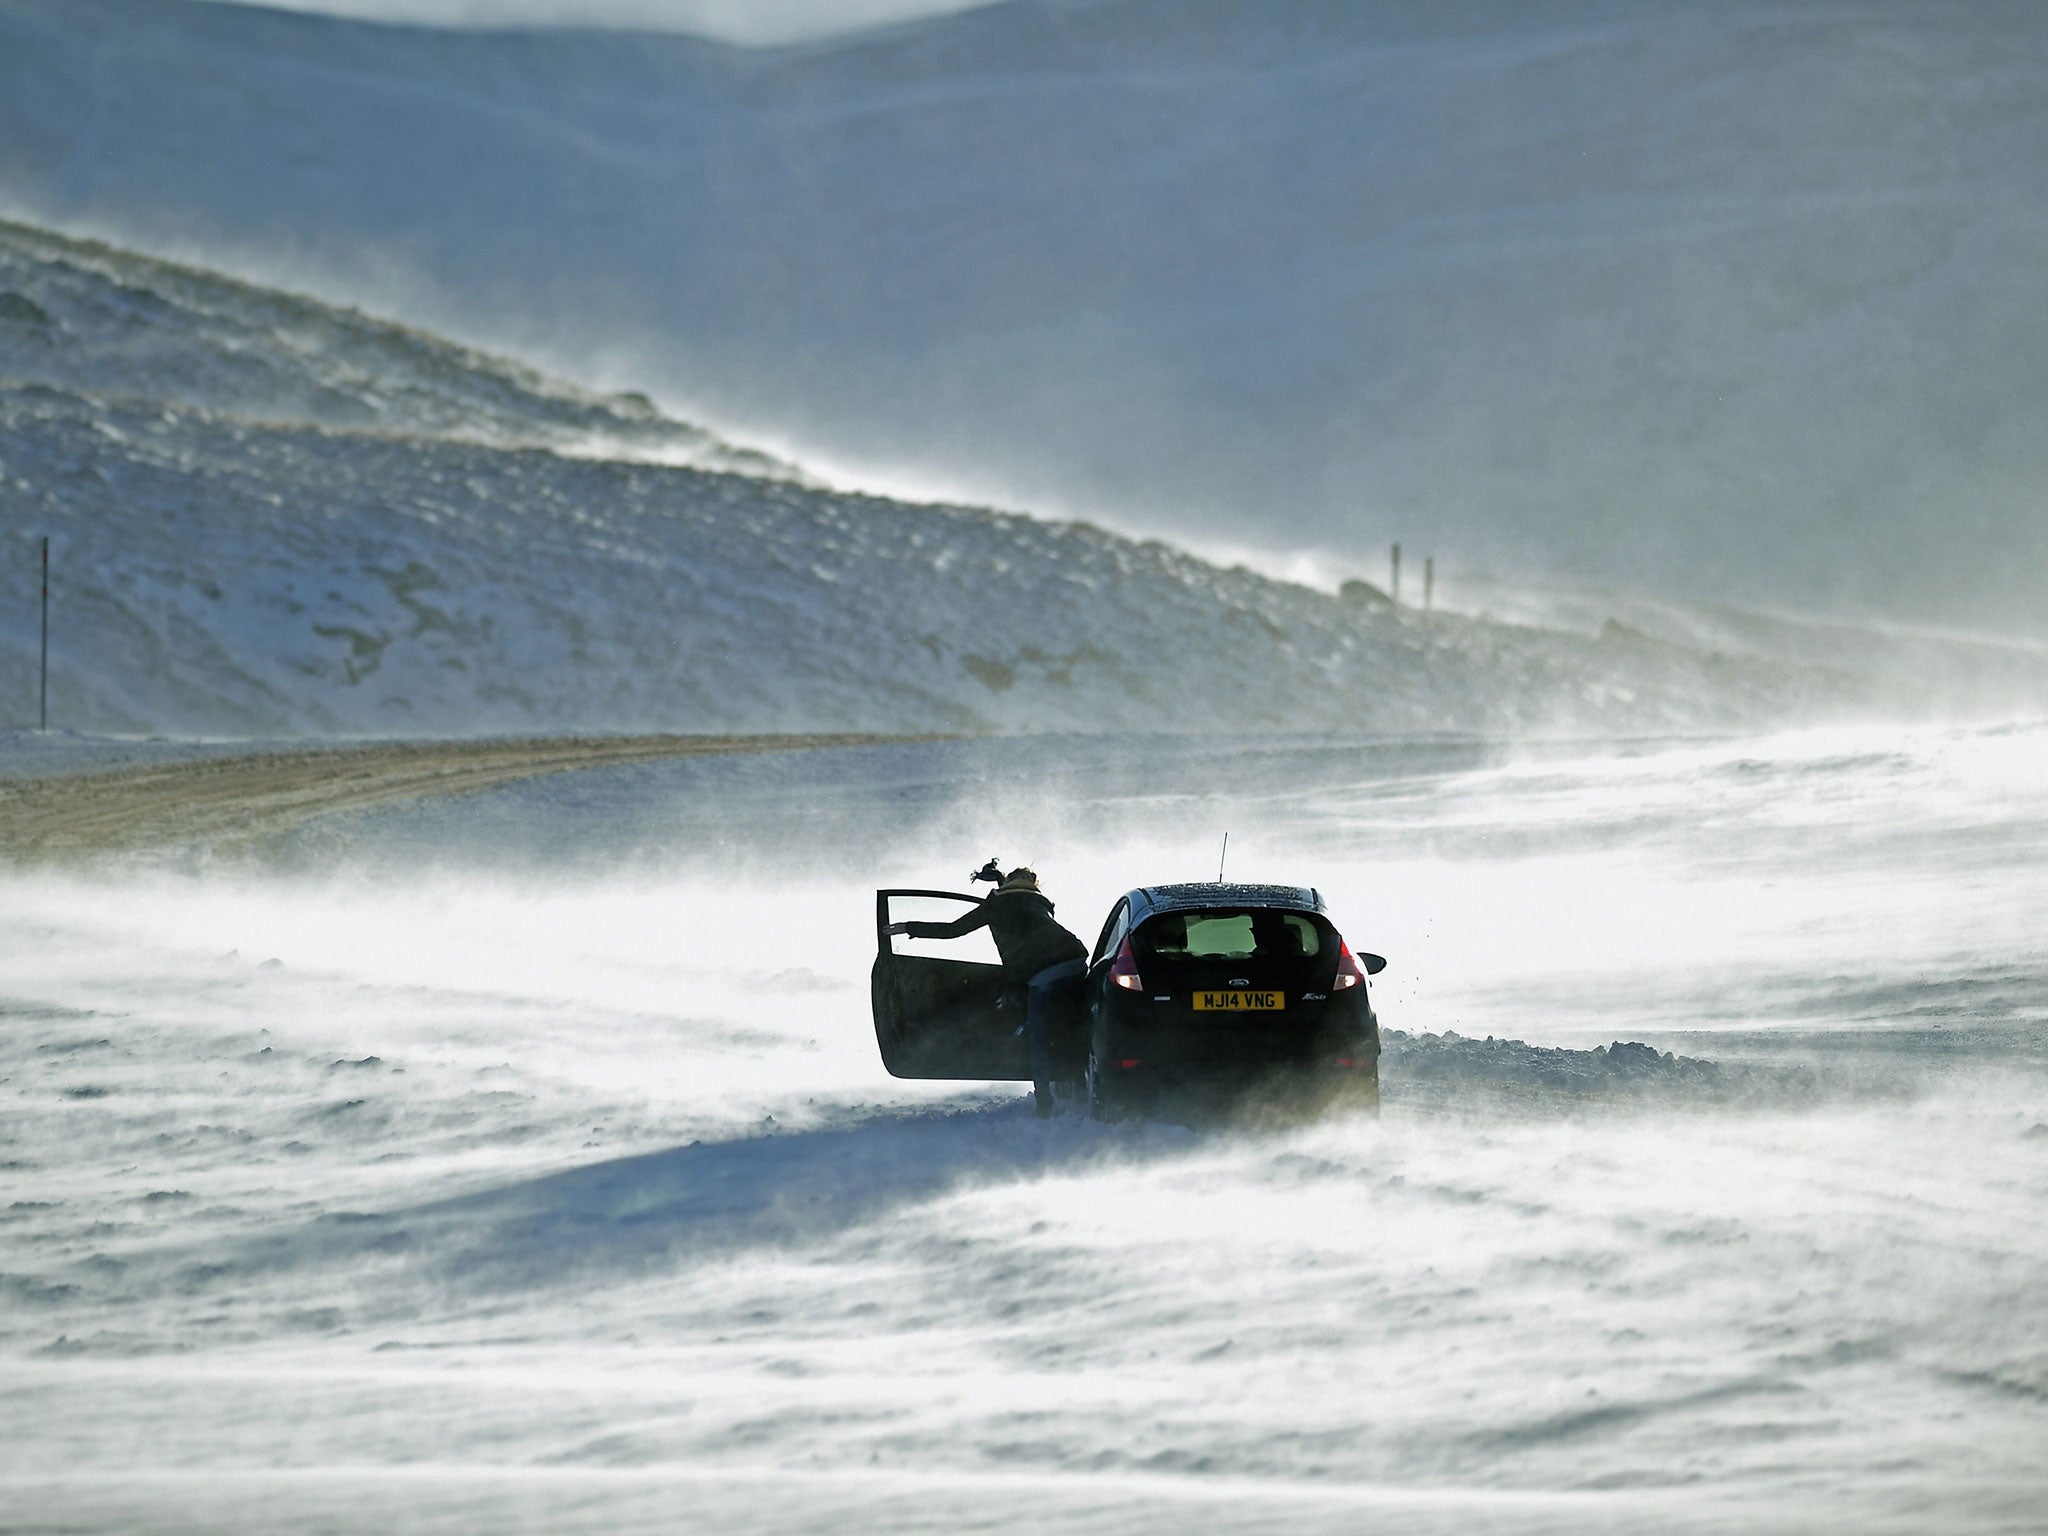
(522, 1161)
(1743, 300)
(271, 516)
(525, 1162)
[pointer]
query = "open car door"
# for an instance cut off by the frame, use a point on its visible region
(937, 1001)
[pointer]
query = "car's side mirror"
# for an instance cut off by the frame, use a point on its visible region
(1373, 964)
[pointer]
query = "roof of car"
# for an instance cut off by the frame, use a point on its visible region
(1181, 898)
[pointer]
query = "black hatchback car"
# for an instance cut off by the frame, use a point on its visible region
(1212, 992)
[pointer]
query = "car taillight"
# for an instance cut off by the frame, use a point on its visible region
(1349, 972)
(1123, 970)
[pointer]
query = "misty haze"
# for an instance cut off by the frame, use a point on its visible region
(518, 520)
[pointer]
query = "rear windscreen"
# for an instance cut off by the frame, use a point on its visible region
(1229, 934)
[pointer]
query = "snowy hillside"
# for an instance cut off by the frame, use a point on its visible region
(83, 315)
(1742, 301)
(271, 516)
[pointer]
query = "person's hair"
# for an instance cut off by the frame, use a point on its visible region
(1020, 879)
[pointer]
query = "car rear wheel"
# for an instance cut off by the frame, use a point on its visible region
(1104, 1103)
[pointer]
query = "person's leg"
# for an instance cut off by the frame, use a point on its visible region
(1037, 1018)
(1043, 996)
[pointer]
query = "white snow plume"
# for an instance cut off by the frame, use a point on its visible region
(270, 516)
(1740, 301)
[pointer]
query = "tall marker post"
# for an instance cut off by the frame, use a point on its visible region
(1395, 584)
(43, 711)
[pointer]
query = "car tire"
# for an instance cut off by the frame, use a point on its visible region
(1103, 1102)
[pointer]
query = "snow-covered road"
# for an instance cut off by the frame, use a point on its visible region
(223, 796)
(523, 1161)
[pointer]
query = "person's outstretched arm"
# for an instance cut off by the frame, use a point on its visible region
(965, 924)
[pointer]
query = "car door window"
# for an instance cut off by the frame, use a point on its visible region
(1113, 933)
(978, 946)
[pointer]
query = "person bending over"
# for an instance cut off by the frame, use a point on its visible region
(1036, 951)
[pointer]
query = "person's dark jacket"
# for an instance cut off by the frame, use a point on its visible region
(1022, 925)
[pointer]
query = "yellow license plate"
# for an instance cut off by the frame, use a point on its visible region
(1237, 1001)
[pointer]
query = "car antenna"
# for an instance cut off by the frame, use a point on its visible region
(1221, 857)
